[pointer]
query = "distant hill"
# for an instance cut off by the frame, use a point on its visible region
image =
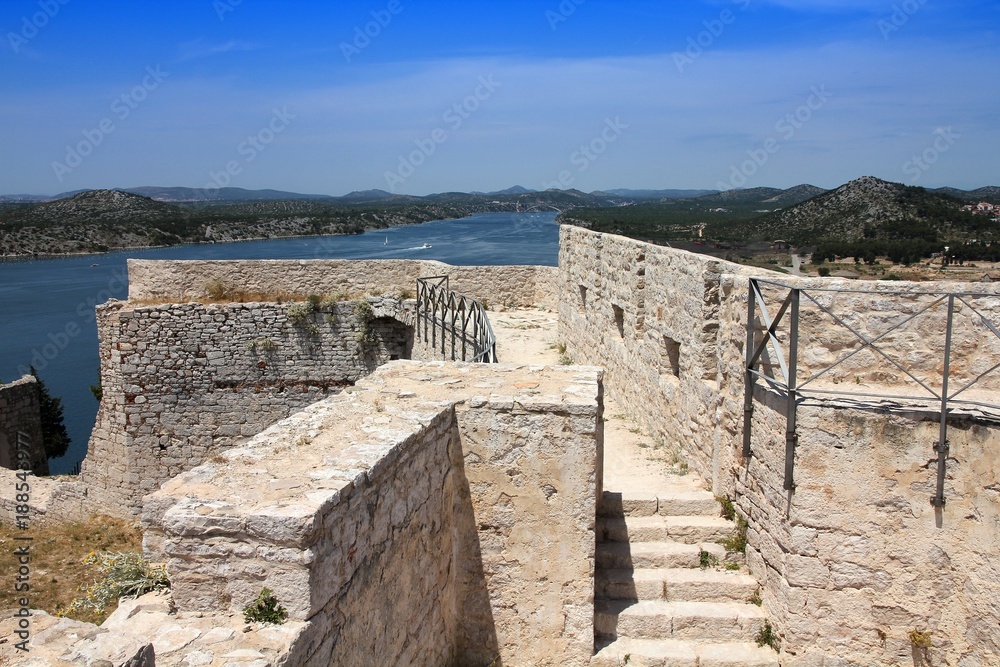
(654, 194)
(107, 206)
(674, 220)
(101, 220)
(990, 193)
(794, 195)
(515, 190)
(745, 196)
(23, 199)
(885, 216)
(177, 194)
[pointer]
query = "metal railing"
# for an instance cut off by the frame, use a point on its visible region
(448, 320)
(798, 392)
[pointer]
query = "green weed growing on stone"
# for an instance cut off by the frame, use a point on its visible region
(737, 542)
(300, 314)
(706, 559)
(767, 636)
(265, 609)
(756, 598)
(367, 338)
(122, 574)
(728, 509)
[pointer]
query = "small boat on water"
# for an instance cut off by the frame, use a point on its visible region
(426, 245)
(386, 241)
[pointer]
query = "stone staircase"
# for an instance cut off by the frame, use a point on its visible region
(655, 603)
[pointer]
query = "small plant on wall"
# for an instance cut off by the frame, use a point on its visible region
(921, 642)
(265, 609)
(767, 637)
(300, 315)
(367, 338)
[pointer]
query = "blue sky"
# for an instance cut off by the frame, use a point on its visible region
(417, 97)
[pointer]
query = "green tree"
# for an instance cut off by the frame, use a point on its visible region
(55, 439)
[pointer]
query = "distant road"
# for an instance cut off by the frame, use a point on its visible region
(796, 269)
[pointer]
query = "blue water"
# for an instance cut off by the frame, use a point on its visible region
(47, 305)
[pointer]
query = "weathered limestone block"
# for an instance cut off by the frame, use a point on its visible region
(435, 512)
(62, 642)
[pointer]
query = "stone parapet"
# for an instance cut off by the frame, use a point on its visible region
(855, 557)
(506, 285)
(182, 382)
(434, 514)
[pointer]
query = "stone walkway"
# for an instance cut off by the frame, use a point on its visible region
(666, 592)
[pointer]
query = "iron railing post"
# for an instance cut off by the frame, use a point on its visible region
(791, 434)
(748, 382)
(942, 448)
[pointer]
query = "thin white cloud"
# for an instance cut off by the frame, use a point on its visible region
(198, 49)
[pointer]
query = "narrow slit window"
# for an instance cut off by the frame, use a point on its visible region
(670, 356)
(619, 319)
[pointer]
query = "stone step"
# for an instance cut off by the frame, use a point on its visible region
(681, 653)
(664, 503)
(676, 584)
(647, 555)
(658, 619)
(687, 529)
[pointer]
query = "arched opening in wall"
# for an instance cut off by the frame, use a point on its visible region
(392, 339)
(619, 319)
(583, 297)
(670, 357)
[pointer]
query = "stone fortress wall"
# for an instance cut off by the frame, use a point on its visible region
(184, 381)
(162, 280)
(501, 465)
(434, 514)
(20, 422)
(856, 557)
